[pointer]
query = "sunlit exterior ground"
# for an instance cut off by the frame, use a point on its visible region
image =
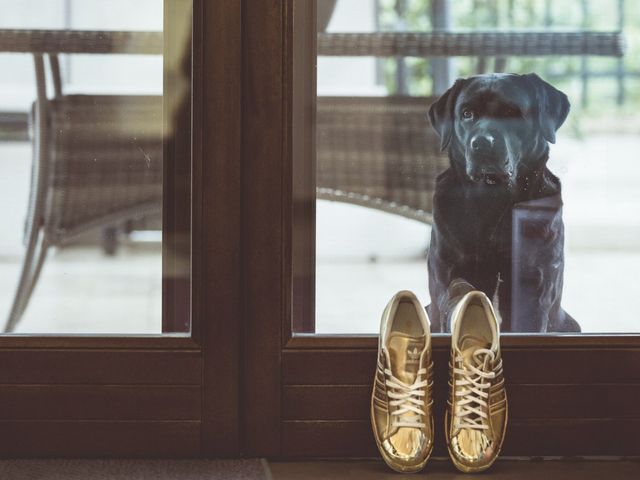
(364, 256)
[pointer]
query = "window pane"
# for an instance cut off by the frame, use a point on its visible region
(95, 161)
(553, 239)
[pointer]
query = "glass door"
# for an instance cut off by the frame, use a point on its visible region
(110, 255)
(352, 191)
(376, 159)
(96, 153)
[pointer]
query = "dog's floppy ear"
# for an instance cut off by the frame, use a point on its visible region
(442, 114)
(553, 107)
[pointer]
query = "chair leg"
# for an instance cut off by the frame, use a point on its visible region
(37, 242)
(110, 240)
(34, 259)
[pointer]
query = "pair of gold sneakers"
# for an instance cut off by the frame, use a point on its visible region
(402, 399)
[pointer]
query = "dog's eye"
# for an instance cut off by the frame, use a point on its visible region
(467, 114)
(511, 112)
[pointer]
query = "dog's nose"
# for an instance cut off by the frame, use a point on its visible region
(482, 143)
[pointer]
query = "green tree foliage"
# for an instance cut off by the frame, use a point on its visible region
(564, 72)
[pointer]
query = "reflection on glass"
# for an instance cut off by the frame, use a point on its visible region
(562, 259)
(89, 150)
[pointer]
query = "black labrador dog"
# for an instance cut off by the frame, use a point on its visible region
(497, 209)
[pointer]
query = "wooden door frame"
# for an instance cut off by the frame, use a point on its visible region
(154, 396)
(307, 395)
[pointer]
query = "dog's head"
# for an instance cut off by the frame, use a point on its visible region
(497, 126)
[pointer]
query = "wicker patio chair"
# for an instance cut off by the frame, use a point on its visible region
(97, 161)
(101, 164)
(378, 152)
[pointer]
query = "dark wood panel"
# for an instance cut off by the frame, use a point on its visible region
(551, 437)
(220, 185)
(101, 367)
(574, 401)
(351, 402)
(95, 402)
(99, 439)
(263, 235)
(569, 437)
(326, 402)
(146, 342)
(521, 366)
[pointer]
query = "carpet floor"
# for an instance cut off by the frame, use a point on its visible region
(133, 470)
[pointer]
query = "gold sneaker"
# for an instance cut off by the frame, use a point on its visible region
(476, 417)
(401, 401)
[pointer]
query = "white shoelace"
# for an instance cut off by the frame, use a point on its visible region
(408, 399)
(473, 398)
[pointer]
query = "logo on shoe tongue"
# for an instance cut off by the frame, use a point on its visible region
(413, 355)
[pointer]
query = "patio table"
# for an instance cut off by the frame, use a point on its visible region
(80, 41)
(476, 43)
(378, 44)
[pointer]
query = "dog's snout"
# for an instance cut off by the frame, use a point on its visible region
(482, 143)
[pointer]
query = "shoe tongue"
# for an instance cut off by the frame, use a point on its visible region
(469, 344)
(405, 352)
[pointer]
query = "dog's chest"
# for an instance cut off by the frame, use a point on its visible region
(477, 219)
